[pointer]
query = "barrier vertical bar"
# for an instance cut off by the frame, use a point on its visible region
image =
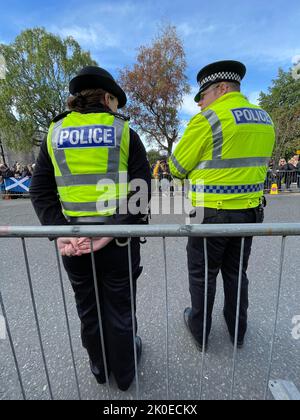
(205, 318)
(167, 316)
(99, 316)
(36, 317)
(67, 319)
(283, 242)
(133, 319)
(237, 318)
(12, 346)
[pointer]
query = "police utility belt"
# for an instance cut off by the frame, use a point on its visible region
(211, 212)
(86, 220)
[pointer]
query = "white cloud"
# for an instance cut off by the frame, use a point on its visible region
(271, 54)
(296, 59)
(92, 36)
(187, 29)
(253, 97)
(189, 106)
(208, 29)
(109, 9)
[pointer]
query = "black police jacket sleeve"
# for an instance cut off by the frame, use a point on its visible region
(138, 168)
(43, 191)
(44, 194)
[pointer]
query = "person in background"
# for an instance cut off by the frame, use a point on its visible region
(290, 175)
(5, 171)
(280, 172)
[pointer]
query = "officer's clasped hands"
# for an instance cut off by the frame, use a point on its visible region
(75, 247)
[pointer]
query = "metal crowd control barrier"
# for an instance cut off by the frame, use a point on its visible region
(286, 180)
(279, 389)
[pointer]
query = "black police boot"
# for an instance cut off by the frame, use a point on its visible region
(100, 377)
(139, 346)
(186, 316)
(240, 342)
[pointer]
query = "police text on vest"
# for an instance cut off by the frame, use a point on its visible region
(86, 137)
(251, 116)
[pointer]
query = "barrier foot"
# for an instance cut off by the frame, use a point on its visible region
(284, 390)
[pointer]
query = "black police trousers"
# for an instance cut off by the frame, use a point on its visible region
(112, 271)
(224, 255)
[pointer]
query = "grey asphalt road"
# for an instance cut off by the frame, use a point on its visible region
(184, 360)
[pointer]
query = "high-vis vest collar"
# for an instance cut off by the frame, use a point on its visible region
(90, 157)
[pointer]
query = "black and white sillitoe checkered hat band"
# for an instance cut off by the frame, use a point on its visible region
(223, 75)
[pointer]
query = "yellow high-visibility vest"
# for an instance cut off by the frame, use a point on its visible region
(224, 152)
(90, 154)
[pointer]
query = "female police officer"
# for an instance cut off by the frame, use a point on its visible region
(81, 177)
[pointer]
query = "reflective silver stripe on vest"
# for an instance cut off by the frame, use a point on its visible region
(177, 165)
(92, 207)
(88, 179)
(59, 154)
(233, 163)
(67, 179)
(115, 153)
(217, 134)
(85, 207)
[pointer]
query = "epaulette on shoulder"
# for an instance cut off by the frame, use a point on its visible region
(198, 118)
(61, 116)
(121, 116)
(195, 117)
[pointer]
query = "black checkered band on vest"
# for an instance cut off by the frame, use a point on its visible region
(223, 75)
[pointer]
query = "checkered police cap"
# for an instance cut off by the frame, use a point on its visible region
(220, 71)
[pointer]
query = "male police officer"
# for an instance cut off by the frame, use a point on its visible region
(224, 153)
(81, 177)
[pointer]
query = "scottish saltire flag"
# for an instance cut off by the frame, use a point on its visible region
(19, 185)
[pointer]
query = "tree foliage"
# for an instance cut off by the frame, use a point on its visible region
(156, 85)
(154, 156)
(282, 102)
(39, 66)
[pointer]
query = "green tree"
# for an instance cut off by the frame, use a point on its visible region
(282, 102)
(154, 156)
(156, 85)
(39, 66)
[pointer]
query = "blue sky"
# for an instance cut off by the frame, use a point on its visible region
(263, 35)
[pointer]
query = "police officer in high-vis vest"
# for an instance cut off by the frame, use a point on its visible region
(224, 153)
(82, 177)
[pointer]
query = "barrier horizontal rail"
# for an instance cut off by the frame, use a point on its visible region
(234, 230)
(229, 230)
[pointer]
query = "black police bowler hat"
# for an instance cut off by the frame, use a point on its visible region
(92, 77)
(220, 71)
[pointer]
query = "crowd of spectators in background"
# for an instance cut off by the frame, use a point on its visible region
(286, 172)
(16, 171)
